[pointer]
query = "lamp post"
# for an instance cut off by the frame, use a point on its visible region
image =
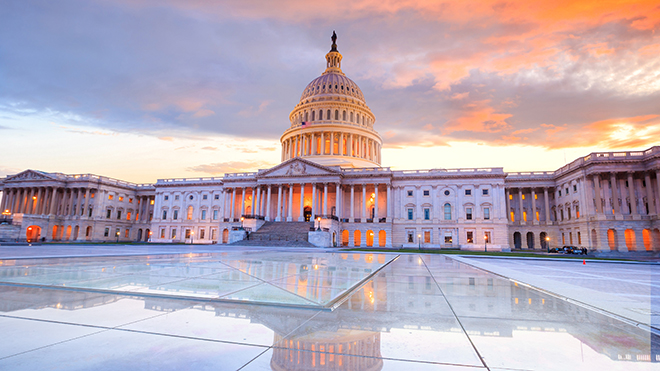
(318, 220)
(485, 242)
(117, 234)
(419, 240)
(547, 244)
(192, 236)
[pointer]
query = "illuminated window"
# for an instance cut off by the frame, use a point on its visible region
(523, 197)
(152, 202)
(126, 233)
(187, 235)
(173, 233)
(189, 214)
(162, 233)
(427, 236)
(470, 237)
(525, 215)
(537, 216)
(487, 237)
(577, 212)
(128, 216)
(110, 197)
(121, 198)
(579, 237)
(510, 197)
(513, 216)
(448, 238)
(130, 200)
(536, 197)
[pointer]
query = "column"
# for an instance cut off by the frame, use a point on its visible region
(534, 221)
(40, 202)
(289, 216)
(78, 201)
(340, 142)
(376, 203)
(322, 143)
(332, 144)
(649, 192)
(53, 201)
(252, 201)
(520, 199)
(325, 198)
(301, 218)
(268, 203)
(338, 203)
(314, 208)
(388, 204)
(352, 219)
(364, 203)
(349, 145)
(258, 209)
(232, 212)
(615, 194)
(5, 196)
(631, 193)
(70, 211)
(547, 205)
(657, 184)
(599, 202)
(313, 143)
(508, 205)
(279, 203)
(243, 190)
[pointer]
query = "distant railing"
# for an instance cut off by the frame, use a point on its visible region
(333, 217)
(189, 180)
(258, 217)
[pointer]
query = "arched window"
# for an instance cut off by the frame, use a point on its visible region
(336, 114)
(190, 213)
(306, 116)
(313, 115)
(631, 241)
(320, 115)
(357, 238)
(328, 115)
(352, 117)
(447, 211)
(343, 116)
(382, 238)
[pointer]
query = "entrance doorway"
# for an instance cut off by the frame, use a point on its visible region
(33, 233)
(307, 212)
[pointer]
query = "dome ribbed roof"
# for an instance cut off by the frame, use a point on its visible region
(332, 83)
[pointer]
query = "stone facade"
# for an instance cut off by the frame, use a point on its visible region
(330, 175)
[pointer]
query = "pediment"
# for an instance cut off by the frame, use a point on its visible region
(297, 167)
(29, 175)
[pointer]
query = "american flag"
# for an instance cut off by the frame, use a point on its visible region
(304, 123)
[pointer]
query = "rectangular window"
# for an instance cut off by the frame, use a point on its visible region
(448, 238)
(487, 237)
(410, 193)
(560, 193)
(427, 214)
(176, 198)
(216, 197)
(484, 192)
(410, 214)
(190, 213)
(486, 213)
(187, 233)
(118, 214)
(513, 216)
(574, 188)
(537, 216)
(468, 192)
(203, 214)
(128, 216)
(215, 214)
(175, 216)
(525, 215)
(164, 214)
(427, 192)
(411, 236)
(213, 232)
(126, 233)
(510, 197)
(205, 197)
(108, 213)
(106, 233)
(567, 191)
(110, 197)
(563, 239)
(468, 213)
(173, 233)
(470, 237)
(130, 200)
(427, 236)
(121, 198)
(162, 233)
(201, 234)
(536, 197)
(166, 197)
(579, 238)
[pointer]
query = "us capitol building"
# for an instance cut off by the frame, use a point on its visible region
(331, 189)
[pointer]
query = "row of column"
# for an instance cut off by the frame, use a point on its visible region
(511, 217)
(612, 186)
(331, 143)
(262, 201)
(46, 201)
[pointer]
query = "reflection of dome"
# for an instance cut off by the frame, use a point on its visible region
(332, 125)
(343, 349)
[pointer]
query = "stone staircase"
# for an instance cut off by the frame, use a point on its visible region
(292, 234)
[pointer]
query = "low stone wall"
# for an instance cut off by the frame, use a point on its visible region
(10, 232)
(320, 238)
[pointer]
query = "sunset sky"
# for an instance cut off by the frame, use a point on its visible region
(148, 89)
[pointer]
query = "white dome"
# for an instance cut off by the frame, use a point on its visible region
(332, 83)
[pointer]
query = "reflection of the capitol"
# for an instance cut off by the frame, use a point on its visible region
(403, 296)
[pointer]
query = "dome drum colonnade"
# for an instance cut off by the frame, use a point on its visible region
(332, 125)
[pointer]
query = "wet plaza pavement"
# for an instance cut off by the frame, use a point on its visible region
(182, 308)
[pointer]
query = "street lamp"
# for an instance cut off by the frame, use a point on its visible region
(192, 234)
(318, 219)
(419, 240)
(117, 234)
(547, 244)
(485, 243)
